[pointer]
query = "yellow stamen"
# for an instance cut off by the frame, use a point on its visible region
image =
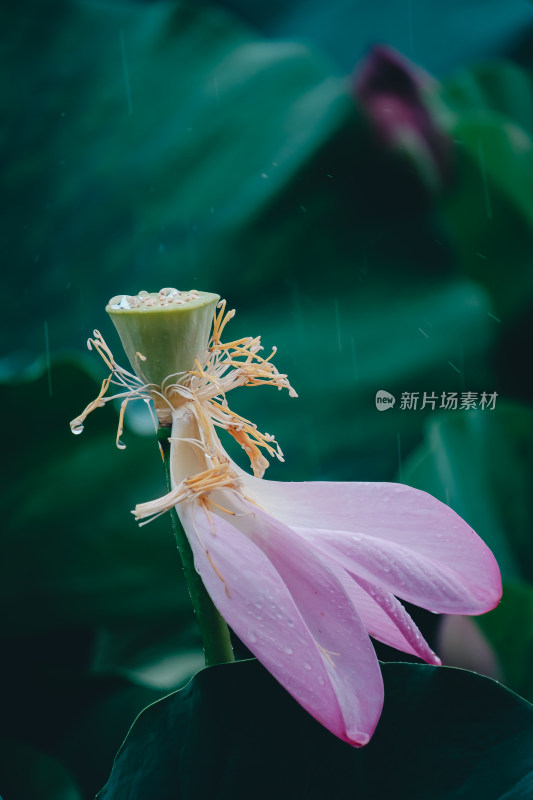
(226, 587)
(327, 654)
(221, 508)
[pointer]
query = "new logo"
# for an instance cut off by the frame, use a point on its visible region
(384, 400)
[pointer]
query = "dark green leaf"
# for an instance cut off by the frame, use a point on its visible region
(234, 732)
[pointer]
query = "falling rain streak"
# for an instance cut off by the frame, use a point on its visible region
(398, 444)
(410, 22)
(354, 359)
(338, 324)
(47, 353)
(488, 206)
(215, 87)
(126, 71)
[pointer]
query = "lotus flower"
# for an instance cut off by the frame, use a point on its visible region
(399, 100)
(304, 573)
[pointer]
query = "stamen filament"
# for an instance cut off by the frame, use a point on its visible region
(203, 391)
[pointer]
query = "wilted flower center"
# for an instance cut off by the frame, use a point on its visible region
(200, 396)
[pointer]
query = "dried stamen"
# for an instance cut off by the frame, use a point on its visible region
(203, 392)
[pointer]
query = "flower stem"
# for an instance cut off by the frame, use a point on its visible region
(213, 628)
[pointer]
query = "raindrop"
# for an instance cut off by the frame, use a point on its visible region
(307, 666)
(288, 650)
(252, 637)
(77, 430)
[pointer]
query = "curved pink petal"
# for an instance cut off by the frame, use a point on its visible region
(383, 616)
(386, 619)
(399, 570)
(405, 540)
(293, 613)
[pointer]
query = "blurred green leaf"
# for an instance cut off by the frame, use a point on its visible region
(498, 86)
(481, 464)
(489, 211)
(75, 720)
(26, 773)
(73, 553)
(234, 732)
(340, 347)
(161, 161)
(509, 628)
(155, 655)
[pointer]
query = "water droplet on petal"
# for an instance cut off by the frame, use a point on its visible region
(307, 666)
(288, 650)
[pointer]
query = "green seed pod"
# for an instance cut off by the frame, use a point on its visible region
(163, 333)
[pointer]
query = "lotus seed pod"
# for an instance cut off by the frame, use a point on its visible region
(163, 333)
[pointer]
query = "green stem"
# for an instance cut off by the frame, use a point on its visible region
(213, 628)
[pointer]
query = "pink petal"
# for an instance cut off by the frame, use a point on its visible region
(403, 539)
(386, 619)
(382, 614)
(293, 613)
